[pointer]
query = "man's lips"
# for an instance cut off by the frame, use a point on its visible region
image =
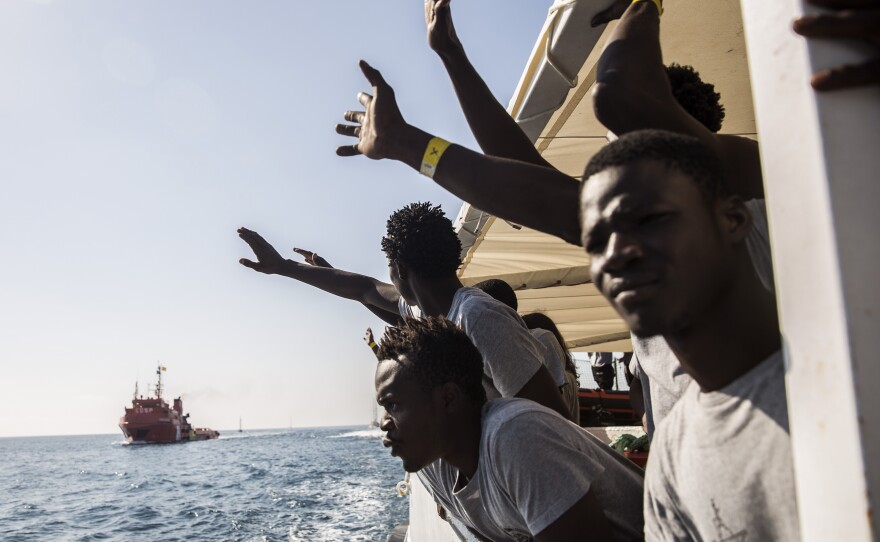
(391, 443)
(630, 286)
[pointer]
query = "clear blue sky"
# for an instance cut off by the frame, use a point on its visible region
(135, 137)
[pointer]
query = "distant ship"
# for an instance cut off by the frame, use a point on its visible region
(151, 421)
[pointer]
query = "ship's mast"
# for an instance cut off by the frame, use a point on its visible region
(159, 370)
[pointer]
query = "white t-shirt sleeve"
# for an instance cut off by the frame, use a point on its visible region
(554, 355)
(406, 310)
(543, 474)
(511, 356)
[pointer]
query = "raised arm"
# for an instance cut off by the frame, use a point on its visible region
(494, 129)
(541, 198)
(361, 288)
(390, 317)
(633, 92)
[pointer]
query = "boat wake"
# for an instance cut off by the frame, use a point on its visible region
(364, 433)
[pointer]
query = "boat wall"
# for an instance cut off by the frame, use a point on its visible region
(424, 523)
(821, 162)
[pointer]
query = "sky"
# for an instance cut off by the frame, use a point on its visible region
(136, 137)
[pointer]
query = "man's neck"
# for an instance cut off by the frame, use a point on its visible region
(737, 334)
(434, 296)
(464, 454)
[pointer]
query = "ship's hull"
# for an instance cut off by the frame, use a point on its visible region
(152, 421)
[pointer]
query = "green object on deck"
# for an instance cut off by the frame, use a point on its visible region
(631, 443)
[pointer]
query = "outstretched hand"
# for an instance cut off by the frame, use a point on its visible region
(368, 338)
(269, 261)
(441, 32)
(854, 20)
(612, 13)
(312, 258)
(379, 127)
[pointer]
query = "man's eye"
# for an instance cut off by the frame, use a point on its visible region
(653, 218)
(596, 245)
(391, 407)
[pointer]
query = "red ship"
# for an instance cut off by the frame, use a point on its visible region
(151, 421)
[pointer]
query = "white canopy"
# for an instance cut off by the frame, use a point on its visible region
(550, 275)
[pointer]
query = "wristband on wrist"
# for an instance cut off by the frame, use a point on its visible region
(372, 344)
(657, 3)
(433, 152)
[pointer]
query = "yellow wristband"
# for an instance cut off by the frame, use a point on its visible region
(433, 152)
(656, 3)
(372, 344)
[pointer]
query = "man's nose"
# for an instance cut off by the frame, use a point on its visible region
(620, 251)
(386, 423)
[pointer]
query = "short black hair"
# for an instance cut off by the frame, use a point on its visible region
(500, 290)
(696, 96)
(439, 352)
(420, 237)
(684, 153)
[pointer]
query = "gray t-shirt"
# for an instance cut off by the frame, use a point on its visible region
(554, 355)
(533, 466)
(721, 465)
(511, 356)
(662, 378)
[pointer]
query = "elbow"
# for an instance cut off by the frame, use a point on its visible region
(610, 104)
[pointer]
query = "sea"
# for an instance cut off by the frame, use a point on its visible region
(324, 484)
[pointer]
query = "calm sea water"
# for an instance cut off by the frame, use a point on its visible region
(297, 485)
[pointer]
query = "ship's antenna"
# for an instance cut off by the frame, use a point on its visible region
(159, 370)
(135, 390)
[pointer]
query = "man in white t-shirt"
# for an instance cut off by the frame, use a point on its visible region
(509, 469)
(424, 254)
(667, 247)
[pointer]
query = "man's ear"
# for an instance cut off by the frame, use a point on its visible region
(450, 396)
(401, 271)
(736, 220)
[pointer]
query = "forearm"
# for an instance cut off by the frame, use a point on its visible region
(542, 390)
(494, 129)
(540, 198)
(341, 283)
(389, 317)
(632, 90)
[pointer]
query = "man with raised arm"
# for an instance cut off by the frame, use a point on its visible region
(424, 254)
(667, 247)
(509, 469)
(662, 97)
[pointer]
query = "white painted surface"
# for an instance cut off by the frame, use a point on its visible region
(821, 160)
(424, 523)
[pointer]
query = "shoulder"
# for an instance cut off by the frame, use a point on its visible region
(507, 420)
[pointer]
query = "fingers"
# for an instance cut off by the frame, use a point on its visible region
(372, 74)
(354, 116)
(348, 150)
(252, 238)
(247, 263)
(364, 99)
(849, 76)
(348, 130)
(848, 24)
(308, 255)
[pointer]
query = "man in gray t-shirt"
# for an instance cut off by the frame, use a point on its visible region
(424, 254)
(668, 250)
(509, 469)
(747, 419)
(662, 380)
(511, 355)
